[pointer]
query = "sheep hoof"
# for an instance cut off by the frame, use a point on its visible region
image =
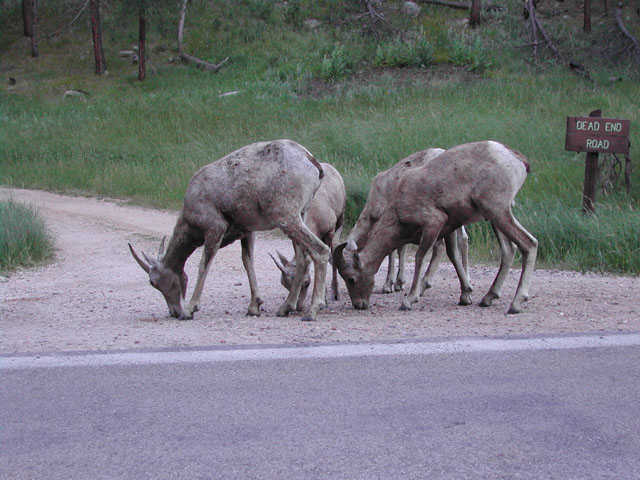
(513, 310)
(405, 306)
(465, 300)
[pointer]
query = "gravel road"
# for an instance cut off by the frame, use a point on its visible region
(93, 296)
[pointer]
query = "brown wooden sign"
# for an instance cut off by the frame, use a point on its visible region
(599, 135)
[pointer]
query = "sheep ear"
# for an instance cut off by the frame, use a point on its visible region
(278, 264)
(357, 263)
(353, 247)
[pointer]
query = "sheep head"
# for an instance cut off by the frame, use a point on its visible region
(358, 279)
(172, 284)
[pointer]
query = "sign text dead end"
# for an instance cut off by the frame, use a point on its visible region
(598, 135)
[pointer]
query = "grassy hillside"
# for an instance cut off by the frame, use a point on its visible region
(356, 96)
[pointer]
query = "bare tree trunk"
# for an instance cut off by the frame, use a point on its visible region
(587, 16)
(96, 31)
(606, 8)
(26, 17)
(183, 13)
(142, 31)
(30, 20)
(474, 21)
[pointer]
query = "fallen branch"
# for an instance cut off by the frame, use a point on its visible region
(547, 39)
(68, 27)
(623, 29)
(462, 5)
(214, 67)
(534, 30)
(375, 17)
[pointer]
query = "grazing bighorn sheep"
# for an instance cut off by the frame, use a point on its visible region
(460, 186)
(384, 187)
(324, 218)
(258, 187)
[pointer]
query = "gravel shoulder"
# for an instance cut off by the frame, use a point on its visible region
(94, 296)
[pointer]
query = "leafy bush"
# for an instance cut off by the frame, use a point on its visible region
(403, 54)
(23, 238)
(469, 52)
(336, 66)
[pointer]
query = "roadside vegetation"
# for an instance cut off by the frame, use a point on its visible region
(357, 97)
(24, 240)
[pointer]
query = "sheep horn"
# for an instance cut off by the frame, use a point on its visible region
(161, 251)
(338, 256)
(152, 263)
(144, 266)
(278, 264)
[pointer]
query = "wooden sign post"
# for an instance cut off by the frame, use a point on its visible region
(594, 135)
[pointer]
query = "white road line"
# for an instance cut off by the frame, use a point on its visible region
(471, 345)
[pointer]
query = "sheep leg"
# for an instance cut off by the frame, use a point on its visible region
(528, 246)
(463, 245)
(507, 252)
(399, 283)
(333, 243)
(311, 245)
(436, 258)
(453, 252)
(391, 273)
(300, 256)
(247, 261)
(212, 241)
(429, 236)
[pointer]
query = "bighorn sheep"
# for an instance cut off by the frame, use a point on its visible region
(384, 187)
(258, 187)
(460, 186)
(324, 218)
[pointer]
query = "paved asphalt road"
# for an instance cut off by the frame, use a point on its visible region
(547, 409)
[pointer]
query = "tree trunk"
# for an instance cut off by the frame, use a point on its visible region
(474, 21)
(587, 16)
(96, 31)
(30, 20)
(142, 30)
(183, 13)
(26, 17)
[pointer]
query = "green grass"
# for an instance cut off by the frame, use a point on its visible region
(24, 241)
(320, 87)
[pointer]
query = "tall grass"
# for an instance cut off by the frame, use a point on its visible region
(24, 240)
(144, 140)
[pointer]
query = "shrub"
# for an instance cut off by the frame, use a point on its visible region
(24, 240)
(404, 54)
(469, 52)
(336, 66)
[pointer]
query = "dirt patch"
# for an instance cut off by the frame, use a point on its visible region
(95, 297)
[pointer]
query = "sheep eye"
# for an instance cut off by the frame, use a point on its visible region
(351, 281)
